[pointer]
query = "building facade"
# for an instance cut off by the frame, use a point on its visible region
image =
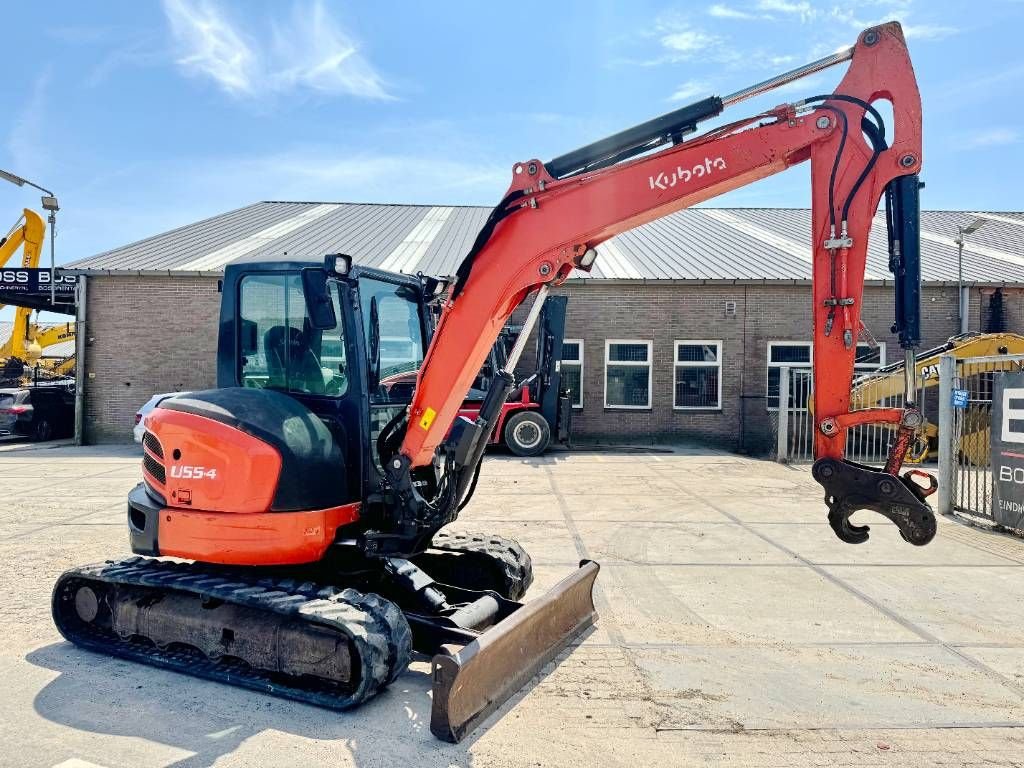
(677, 334)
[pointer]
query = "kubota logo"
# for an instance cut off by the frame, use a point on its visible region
(667, 180)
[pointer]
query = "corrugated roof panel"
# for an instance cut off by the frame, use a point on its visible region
(367, 233)
(454, 241)
(721, 250)
(258, 240)
(408, 254)
(169, 253)
(178, 246)
(694, 244)
(939, 255)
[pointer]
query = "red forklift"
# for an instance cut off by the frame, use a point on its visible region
(538, 412)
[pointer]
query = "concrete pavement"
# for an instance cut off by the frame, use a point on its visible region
(735, 630)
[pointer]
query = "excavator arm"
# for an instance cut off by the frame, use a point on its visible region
(555, 214)
(55, 334)
(27, 234)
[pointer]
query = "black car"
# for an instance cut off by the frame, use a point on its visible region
(41, 413)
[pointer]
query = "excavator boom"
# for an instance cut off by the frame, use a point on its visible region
(28, 234)
(555, 215)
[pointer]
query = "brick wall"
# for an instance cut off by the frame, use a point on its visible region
(145, 335)
(1013, 309)
(156, 334)
(666, 313)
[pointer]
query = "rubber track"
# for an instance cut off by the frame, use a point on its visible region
(379, 633)
(507, 554)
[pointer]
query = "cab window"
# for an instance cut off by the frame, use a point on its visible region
(280, 349)
(394, 339)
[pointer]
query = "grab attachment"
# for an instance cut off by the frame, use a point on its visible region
(850, 487)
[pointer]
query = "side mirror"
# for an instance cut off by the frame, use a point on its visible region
(249, 341)
(317, 293)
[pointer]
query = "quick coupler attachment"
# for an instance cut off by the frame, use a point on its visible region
(851, 487)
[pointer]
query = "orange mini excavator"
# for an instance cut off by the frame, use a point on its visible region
(309, 492)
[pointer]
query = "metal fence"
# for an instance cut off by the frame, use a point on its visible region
(793, 421)
(965, 471)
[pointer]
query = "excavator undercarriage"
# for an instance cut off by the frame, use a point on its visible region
(293, 633)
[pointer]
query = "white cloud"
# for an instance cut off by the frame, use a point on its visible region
(720, 11)
(328, 173)
(317, 52)
(211, 46)
(994, 137)
(689, 89)
(928, 31)
(310, 50)
(687, 41)
(802, 9)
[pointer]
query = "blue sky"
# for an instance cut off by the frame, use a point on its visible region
(147, 115)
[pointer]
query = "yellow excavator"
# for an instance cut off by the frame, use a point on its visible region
(28, 340)
(879, 387)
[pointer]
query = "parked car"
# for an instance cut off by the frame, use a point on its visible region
(41, 413)
(140, 429)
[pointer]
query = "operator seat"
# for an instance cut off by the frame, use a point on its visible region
(290, 361)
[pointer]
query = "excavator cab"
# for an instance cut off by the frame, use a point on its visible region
(296, 328)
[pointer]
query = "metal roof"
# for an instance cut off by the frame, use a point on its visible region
(697, 244)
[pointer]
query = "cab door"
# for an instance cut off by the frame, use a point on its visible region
(394, 337)
(279, 349)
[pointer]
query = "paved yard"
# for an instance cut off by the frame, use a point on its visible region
(735, 629)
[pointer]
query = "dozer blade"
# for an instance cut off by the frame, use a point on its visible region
(473, 681)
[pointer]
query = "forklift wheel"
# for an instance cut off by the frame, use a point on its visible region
(42, 431)
(527, 434)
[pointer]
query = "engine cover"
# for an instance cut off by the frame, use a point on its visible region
(244, 451)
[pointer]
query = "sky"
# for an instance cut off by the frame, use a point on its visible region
(143, 116)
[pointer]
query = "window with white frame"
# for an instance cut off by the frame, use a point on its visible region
(627, 373)
(868, 357)
(698, 375)
(798, 355)
(572, 370)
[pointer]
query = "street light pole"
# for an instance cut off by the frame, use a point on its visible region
(961, 310)
(49, 203)
(960, 279)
